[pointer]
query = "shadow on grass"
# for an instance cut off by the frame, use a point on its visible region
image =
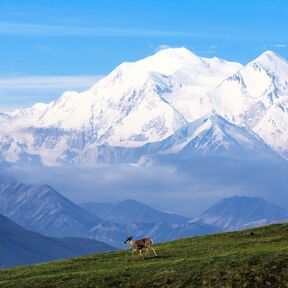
(158, 257)
(151, 258)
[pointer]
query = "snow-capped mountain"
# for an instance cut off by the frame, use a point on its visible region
(211, 136)
(139, 104)
(257, 97)
(237, 213)
(143, 91)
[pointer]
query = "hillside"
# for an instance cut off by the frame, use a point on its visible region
(235, 259)
(131, 211)
(242, 212)
(19, 246)
(42, 209)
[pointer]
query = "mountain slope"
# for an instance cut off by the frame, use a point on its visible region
(257, 97)
(260, 82)
(242, 212)
(131, 211)
(19, 246)
(148, 101)
(221, 260)
(97, 209)
(137, 103)
(114, 234)
(130, 217)
(208, 136)
(42, 209)
(212, 136)
(131, 88)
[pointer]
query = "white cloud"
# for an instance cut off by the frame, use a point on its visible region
(202, 50)
(162, 47)
(210, 50)
(17, 28)
(213, 47)
(188, 188)
(32, 29)
(280, 45)
(20, 92)
(48, 82)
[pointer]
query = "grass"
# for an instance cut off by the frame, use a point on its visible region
(233, 259)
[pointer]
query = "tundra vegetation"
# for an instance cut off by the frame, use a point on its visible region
(248, 258)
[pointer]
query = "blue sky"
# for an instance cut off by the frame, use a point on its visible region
(51, 46)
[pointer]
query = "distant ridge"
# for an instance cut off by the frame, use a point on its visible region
(42, 209)
(242, 212)
(19, 246)
(131, 211)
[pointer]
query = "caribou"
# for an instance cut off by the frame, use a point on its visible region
(139, 245)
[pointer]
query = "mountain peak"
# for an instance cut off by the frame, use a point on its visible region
(242, 211)
(148, 101)
(273, 62)
(214, 117)
(179, 52)
(243, 199)
(170, 60)
(269, 53)
(130, 202)
(131, 211)
(43, 209)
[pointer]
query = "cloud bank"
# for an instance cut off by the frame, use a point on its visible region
(187, 187)
(20, 92)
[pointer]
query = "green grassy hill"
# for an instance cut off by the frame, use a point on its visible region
(234, 259)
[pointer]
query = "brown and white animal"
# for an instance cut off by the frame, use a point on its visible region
(139, 245)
